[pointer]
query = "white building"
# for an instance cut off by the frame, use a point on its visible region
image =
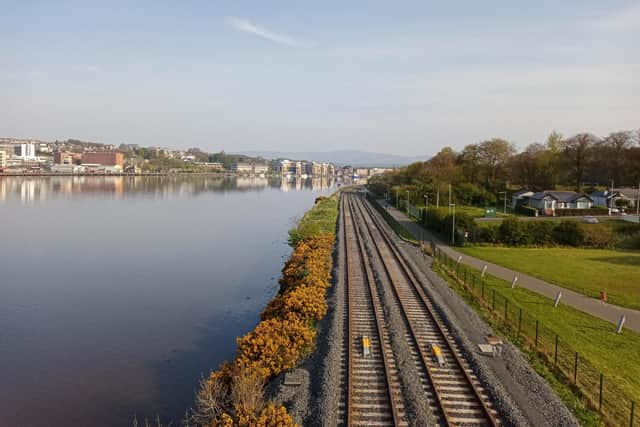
(3, 159)
(27, 151)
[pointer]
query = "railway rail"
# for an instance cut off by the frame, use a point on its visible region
(451, 388)
(373, 388)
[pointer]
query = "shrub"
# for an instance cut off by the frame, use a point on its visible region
(513, 231)
(597, 236)
(526, 210)
(274, 345)
(488, 233)
(569, 233)
(596, 210)
(541, 232)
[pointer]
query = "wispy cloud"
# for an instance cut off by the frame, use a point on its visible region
(246, 26)
(624, 19)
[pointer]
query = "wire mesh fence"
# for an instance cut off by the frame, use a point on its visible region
(600, 393)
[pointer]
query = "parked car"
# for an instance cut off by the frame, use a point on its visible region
(590, 219)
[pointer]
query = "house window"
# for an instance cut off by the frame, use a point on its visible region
(548, 204)
(583, 205)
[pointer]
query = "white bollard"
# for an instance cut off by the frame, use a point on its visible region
(620, 324)
(459, 259)
(557, 299)
(515, 280)
(484, 270)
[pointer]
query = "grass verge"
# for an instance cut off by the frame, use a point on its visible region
(587, 271)
(599, 349)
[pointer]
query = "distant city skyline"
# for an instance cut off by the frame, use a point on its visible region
(401, 79)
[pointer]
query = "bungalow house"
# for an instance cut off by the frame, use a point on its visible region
(547, 202)
(611, 198)
(520, 197)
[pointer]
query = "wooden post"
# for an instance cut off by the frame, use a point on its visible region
(555, 357)
(633, 407)
(506, 301)
(536, 334)
(575, 370)
(493, 305)
(520, 321)
(483, 290)
(600, 397)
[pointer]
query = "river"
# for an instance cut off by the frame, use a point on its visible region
(118, 293)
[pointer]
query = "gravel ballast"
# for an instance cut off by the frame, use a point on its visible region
(520, 395)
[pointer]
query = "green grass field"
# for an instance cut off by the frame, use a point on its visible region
(587, 271)
(616, 356)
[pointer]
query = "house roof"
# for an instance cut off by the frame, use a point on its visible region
(561, 196)
(521, 192)
(630, 193)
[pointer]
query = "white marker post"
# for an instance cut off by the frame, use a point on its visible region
(557, 301)
(459, 259)
(515, 280)
(620, 324)
(484, 270)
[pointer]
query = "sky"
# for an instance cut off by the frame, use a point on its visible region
(394, 77)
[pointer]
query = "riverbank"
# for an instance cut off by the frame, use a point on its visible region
(234, 394)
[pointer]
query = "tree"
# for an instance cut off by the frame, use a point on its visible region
(577, 156)
(493, 155)
(469, 160)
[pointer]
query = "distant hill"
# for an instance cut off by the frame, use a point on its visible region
(341, 158)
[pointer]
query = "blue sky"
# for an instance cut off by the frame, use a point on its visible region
(396, 77)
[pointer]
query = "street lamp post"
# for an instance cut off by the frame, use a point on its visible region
(453, 224)
(408, 203)
(505, 200)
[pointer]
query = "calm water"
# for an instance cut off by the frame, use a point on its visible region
(116, 294)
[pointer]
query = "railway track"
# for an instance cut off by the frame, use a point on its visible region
(452, 391)
(373, 395)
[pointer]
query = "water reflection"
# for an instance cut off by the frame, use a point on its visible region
(118, 293)
(37, 189)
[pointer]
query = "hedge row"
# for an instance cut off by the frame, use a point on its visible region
(515, 232)
(596, 210)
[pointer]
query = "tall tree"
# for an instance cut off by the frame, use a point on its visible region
(494, 155)
(577, 156)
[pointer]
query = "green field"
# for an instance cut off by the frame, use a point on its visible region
(616, 356)
(587, 271)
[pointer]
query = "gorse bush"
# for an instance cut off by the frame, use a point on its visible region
(232, 395)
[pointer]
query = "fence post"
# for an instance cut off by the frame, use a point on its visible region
(600, 397)
(537, 321)
(465, 276)
(575, 370)
(493, 305)
(520, 321)
(555, 357)
(506, 301)
(633, 407)
(483, 290)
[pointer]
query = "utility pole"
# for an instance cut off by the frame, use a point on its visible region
(449, 197)
(408, 204)
(638, 204)
(453, 224)
(505, 200)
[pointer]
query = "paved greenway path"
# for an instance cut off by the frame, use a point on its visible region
(597, 308)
